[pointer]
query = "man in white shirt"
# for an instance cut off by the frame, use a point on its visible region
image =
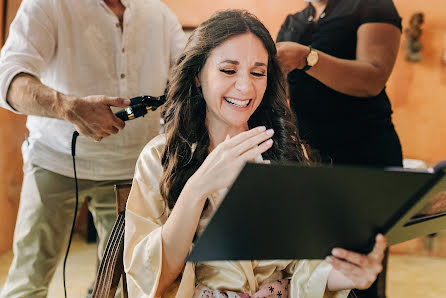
(70, 65)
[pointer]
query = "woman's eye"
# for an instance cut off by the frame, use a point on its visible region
(228, 71)
(258, 74)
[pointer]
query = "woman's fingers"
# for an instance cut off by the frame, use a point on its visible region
(361, 270)
(237, 139)
(256, 151)
(375, 256)
(380, 246)
(252, 142)
(223, 164)
(365, 262)
(347, 269)
(359, 278)
(243, 136)
(349, 256)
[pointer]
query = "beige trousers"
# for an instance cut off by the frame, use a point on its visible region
(43, 226)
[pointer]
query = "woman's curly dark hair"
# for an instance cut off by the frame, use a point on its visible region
(185, 109)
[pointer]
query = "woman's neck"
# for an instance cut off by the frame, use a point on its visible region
(219, 131)
(320, 3)
(319, 7)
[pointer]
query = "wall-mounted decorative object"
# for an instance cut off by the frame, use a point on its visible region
(412, 44)
(444, 51)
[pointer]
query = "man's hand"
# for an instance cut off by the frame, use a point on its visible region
(93, 117)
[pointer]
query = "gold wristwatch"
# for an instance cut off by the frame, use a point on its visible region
(312, 59)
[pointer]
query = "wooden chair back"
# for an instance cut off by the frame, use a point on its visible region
(112, 267)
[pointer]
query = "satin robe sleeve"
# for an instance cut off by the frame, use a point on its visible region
(309, 279)
(145, 214)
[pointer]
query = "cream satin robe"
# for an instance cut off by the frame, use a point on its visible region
(146, 213)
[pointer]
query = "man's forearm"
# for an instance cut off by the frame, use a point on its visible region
(91, 115)
(27, 95)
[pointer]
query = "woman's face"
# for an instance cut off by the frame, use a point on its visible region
(233, 80)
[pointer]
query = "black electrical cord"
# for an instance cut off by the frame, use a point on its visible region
(139, 106)
(73, 154)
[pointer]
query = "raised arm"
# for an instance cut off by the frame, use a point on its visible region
(27, 53)
(156, 243)
(218, 171)
(366, 76)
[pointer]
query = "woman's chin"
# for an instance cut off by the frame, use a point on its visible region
(240, 122)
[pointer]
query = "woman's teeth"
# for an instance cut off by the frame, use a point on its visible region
(239, 103)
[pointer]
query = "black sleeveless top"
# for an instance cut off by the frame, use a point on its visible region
(345, 129)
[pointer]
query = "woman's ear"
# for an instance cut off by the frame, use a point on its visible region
(197, 81)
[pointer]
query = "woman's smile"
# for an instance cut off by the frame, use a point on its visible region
(238, 103)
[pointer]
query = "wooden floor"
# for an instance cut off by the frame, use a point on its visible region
(420, 275)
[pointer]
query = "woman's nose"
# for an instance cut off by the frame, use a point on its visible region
(243, 83)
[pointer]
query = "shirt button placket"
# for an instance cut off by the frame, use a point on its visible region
(123, 81)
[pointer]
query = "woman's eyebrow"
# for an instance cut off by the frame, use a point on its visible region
(237, 63)
(260, 64)
(230, 62)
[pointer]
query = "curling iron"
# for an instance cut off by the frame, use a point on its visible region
(139, 106)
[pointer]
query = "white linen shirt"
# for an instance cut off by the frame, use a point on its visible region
(78, 48)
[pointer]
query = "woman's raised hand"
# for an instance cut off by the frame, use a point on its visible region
(224, 163)
(355, 271)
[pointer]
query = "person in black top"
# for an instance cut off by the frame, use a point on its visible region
(338, 55)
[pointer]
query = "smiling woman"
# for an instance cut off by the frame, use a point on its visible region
(233, 81)
(226, 106)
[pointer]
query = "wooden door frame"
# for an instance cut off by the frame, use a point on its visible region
(2, 21)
